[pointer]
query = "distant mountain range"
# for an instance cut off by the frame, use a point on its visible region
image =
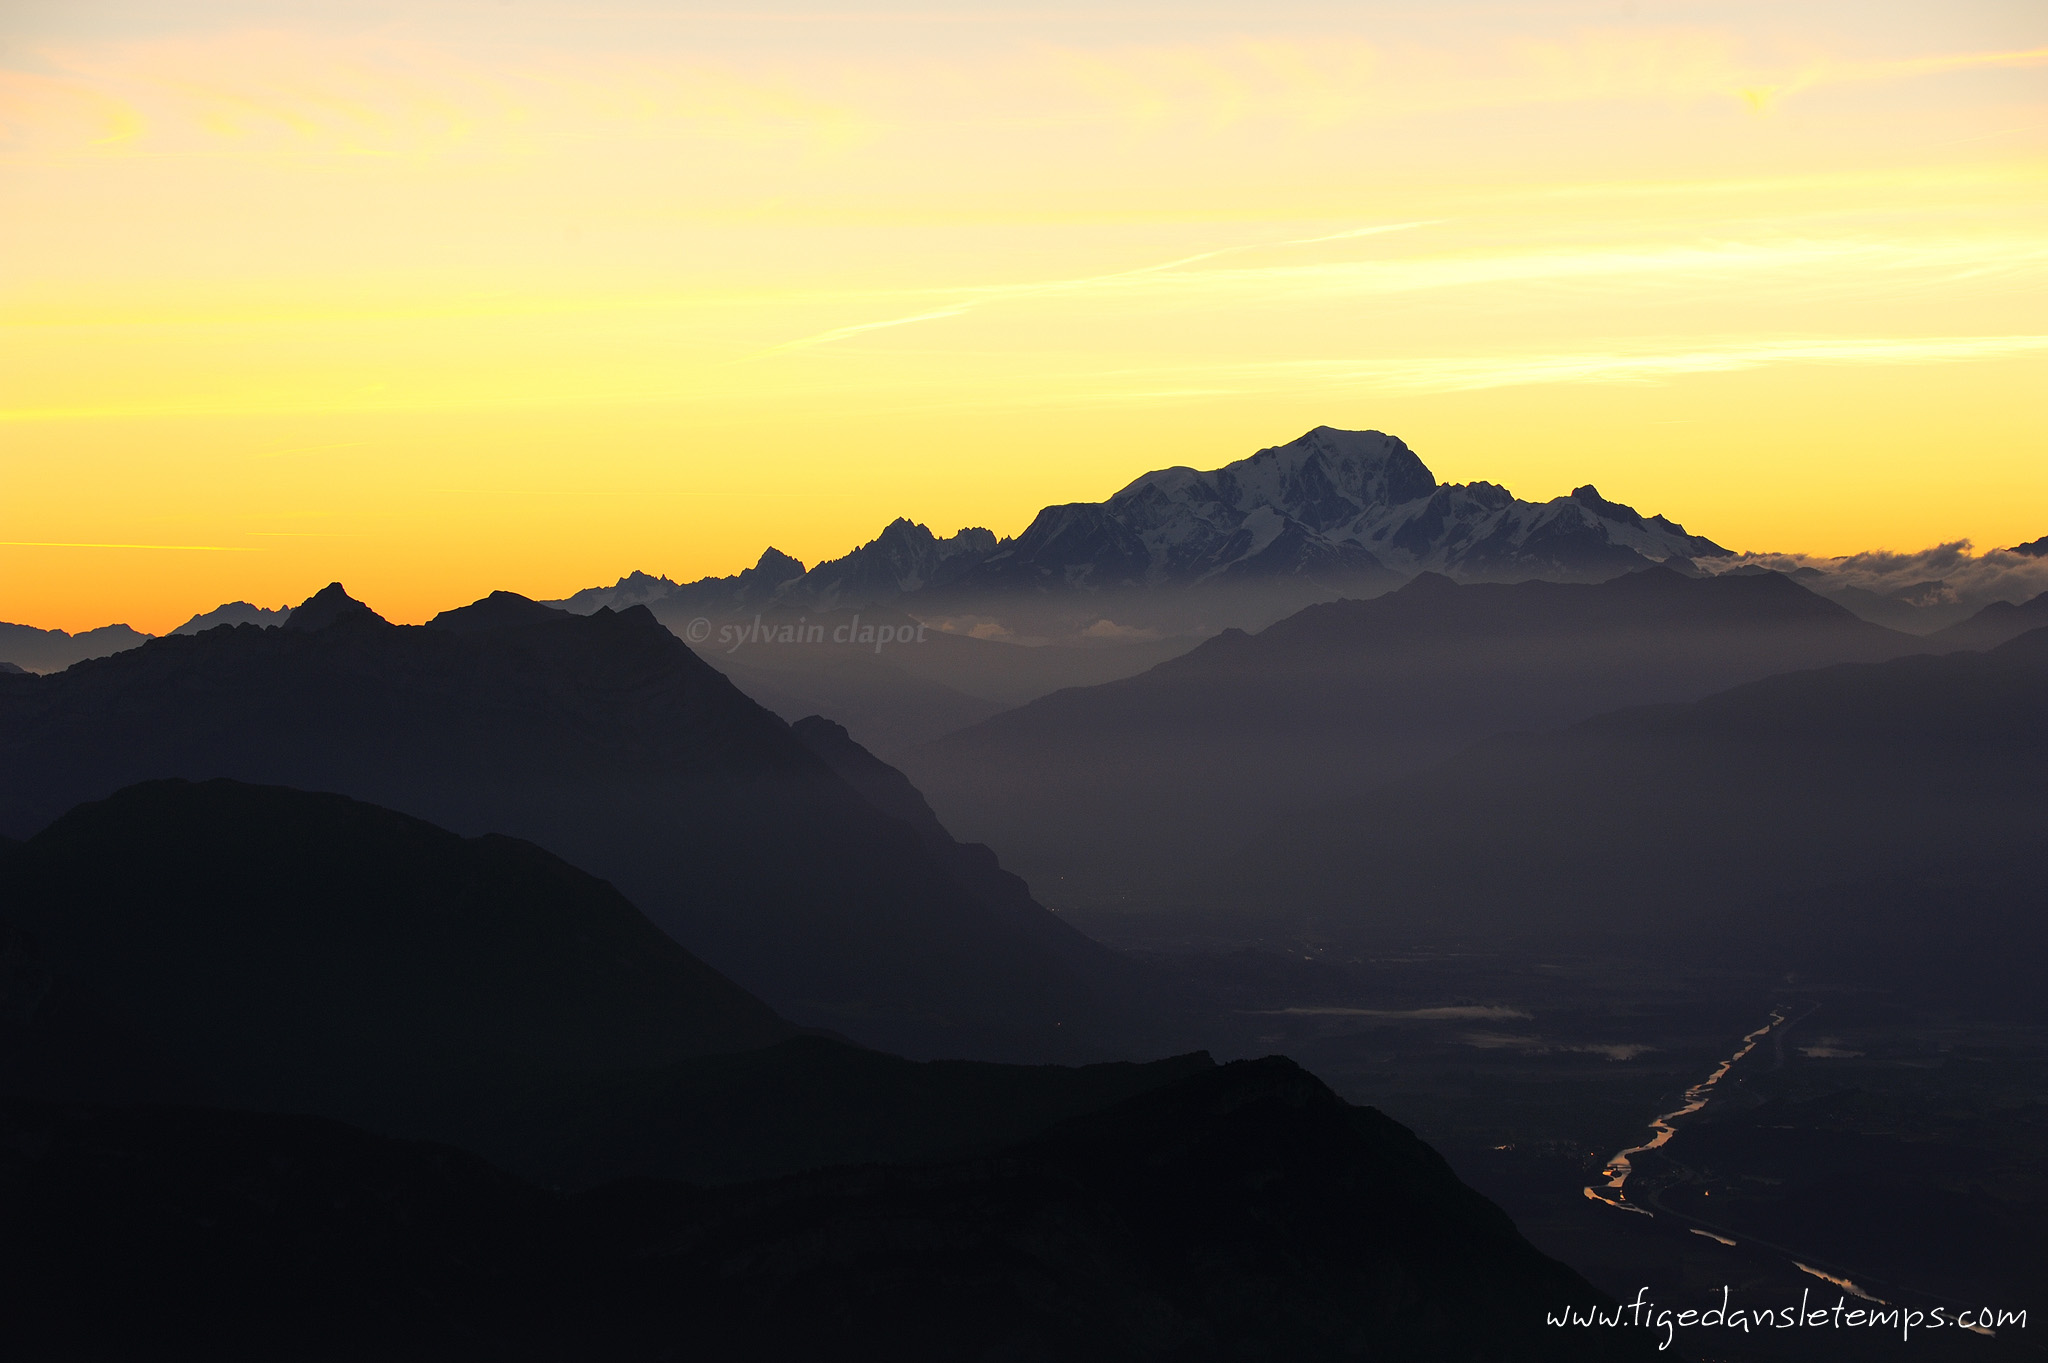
(1181, 554)
(234, 613)
(1122, 789)
(1333, 511)
(606, 740)
(1992, 626)
(52, 650)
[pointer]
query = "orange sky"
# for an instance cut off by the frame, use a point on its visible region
(438, 298)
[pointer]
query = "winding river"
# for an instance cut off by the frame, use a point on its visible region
(1613, 1190)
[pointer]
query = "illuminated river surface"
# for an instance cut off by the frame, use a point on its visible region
(1613, 1191)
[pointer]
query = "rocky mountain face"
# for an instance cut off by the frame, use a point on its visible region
(1340, 503)
(1351, 511)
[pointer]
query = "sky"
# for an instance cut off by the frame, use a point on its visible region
(442, 297)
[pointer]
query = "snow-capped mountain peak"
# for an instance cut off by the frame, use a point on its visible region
(1346, 510)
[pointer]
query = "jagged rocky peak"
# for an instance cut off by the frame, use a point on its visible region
(331, 605)
(643, 583)
(913, 540)
(234, 613)
(774, 566)
(905, 557)
(634, 589)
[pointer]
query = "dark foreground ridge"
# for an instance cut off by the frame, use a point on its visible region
(1245, 1212)
(275, 950)
(209, 991)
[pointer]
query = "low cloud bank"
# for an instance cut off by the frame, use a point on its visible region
(1948, 581)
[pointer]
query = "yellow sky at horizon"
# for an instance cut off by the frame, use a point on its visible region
(435, 303)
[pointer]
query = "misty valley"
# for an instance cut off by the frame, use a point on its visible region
(1300, 910)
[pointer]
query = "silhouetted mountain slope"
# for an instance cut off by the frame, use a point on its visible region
(605, 740)
(1743, 813)
(1244, 1212)
(803, 1104)
(880, 784)
(1992, 626)
(53, 650)
(892, 709)
(187, 1233)
(288, 951)
(267, 948)
(499, 610)
(1106, 789)
(233, 613)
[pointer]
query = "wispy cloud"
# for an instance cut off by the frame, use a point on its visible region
(841, 333)
(1174, 272)
(1764, 91)
(1470, 373)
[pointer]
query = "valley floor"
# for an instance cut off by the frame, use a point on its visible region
(1872, 1137)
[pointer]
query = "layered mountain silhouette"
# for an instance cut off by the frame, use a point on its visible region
(1122, 788)
(1993, 625)
(893, 708)
(1844, 811)
(910, 683)
(53, 650)
(605, 740)
(198, 979)
(274, 949)
(1095, 592)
